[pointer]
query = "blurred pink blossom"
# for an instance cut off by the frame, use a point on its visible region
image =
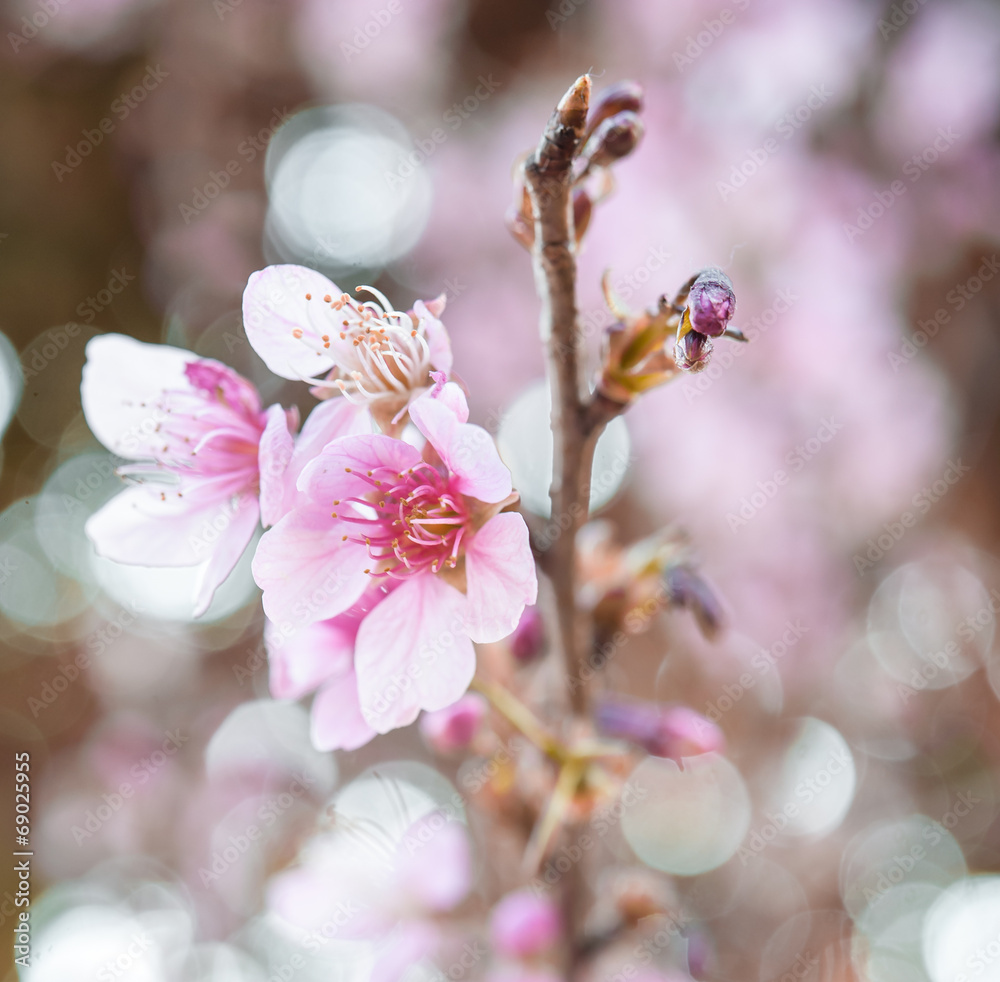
(453, 728)
(524, 924)
(392, 895)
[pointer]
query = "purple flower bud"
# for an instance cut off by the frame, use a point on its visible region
(692, 351)
(664, 731)
(524, 924)
(686, 588)
(528, 640)
(615, 138)
(711, 302)
(451, 729)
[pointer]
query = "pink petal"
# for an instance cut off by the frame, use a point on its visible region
(273, 456)
(467, 450)
(274, 305)
(450, 394)
(500, 573)
(244, 515)
(215, 379)
(524, 924)
(304, 660)
(433, 862)
(338, 471)
(437, 305)
(412, 653)
(434, 331)
(329, 420)
(306, 571)
(686, 733)
(122, 382)
(337, 723)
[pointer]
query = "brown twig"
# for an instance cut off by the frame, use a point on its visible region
(548, 176)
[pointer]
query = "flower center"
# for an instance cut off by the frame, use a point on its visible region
(200, 436)
(378, 351)
(410, 522)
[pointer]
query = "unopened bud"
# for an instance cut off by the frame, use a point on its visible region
(687, 588)
(615, 138)
(575, 101)
(583, 208)
(675, 732)
(622, 97)
(528, 640)
(711, 302)
(524, 924)
(700, 954)
(452, 729)
(692, 351)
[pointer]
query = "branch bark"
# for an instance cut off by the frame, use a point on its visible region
(548, 175)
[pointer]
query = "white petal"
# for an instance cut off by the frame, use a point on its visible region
(275, 305)
(226, 551)
(145, 526)
(123, 381)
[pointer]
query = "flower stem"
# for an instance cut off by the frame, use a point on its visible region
(559, 805)
(548, 175)
(521, 718)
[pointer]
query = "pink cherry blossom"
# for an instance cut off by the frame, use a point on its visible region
(209, 461)
(305, 327)
(361, 885)
(377, 512)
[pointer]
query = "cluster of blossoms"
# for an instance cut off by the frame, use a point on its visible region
(385, 558)
(392, 544)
